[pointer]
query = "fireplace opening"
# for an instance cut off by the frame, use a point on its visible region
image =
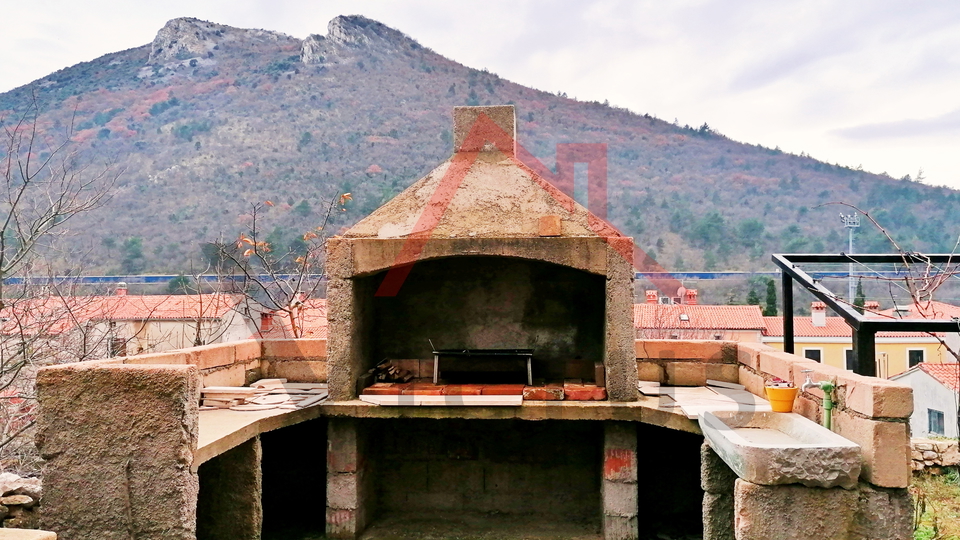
(524, 476)
(670, 499)
(294, 472)
(487, 304)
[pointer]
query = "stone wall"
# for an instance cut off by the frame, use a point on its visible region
(933, 455)
(502, 467)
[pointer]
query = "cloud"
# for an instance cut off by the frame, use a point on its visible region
(937, 126)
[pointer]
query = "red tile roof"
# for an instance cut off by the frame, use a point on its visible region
(56, 314)
(312, 320)
(701, 317)
(923, 310)
(947, 374)
(835, 328)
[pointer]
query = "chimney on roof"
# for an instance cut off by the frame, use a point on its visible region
(652, 297)
(691, 297)
(266, 321)
(484, 129)
(871, 305)
(121, 289)
(818, 313)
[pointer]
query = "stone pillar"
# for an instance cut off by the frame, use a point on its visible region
(717, 481)
(883, 514)
(350, 490)
(619, 487)
(620, 354)
(229, 507)
(793, 512)
(118, 443)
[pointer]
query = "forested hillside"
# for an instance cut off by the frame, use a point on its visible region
(208, 119)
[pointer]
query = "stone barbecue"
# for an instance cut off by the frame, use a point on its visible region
(423, 429)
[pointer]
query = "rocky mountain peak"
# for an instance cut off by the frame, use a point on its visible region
(347, 34)
(187, 37)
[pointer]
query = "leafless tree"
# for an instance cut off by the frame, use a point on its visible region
(280, 282)
(45, 182)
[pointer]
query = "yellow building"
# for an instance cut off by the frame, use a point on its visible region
(828, 340)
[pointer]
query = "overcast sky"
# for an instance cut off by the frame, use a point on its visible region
(861, 82)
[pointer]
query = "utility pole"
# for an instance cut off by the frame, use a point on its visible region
(851, 222)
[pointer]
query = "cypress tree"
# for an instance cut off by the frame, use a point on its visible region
(771, 309)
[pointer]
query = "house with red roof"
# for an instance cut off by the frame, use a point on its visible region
(936, 388)
(684, 318)
(829, 340)
(74, 328)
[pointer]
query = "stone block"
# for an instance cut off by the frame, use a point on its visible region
(753, 382)
(883, 514)
(620, 464)
(342, 523)
(620, 528)
(297, 370)
(232, 375)
(808, 408)
(718, 516)
(877, 398)
(792, 512)
(465, 118)
(685, 373)
(715, 351)
(246, 350)
(211, 356)
(163, 358)
(885, 447)
(715, 475)
(781, 365)
(649, 371)
(748, 354)
(620, 436)
(619, 499)
(342, 492)
(342, 445)
(126, 433)
(550, 226)
(723, 372)
(294, 348)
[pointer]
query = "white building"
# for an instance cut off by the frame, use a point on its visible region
(935, 394)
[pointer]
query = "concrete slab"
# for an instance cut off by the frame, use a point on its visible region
(223, 429)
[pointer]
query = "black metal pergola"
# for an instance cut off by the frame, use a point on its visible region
(864, 329)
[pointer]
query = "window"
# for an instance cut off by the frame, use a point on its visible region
(935, 422)
(851, 361)
(914, 357)
(813, 354)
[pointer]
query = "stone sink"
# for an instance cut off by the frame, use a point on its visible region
(770, 448)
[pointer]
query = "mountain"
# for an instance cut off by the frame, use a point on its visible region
(208, 119)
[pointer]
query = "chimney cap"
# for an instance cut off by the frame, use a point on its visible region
(503, 117)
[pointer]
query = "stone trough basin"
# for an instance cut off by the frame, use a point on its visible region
(771, 448)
